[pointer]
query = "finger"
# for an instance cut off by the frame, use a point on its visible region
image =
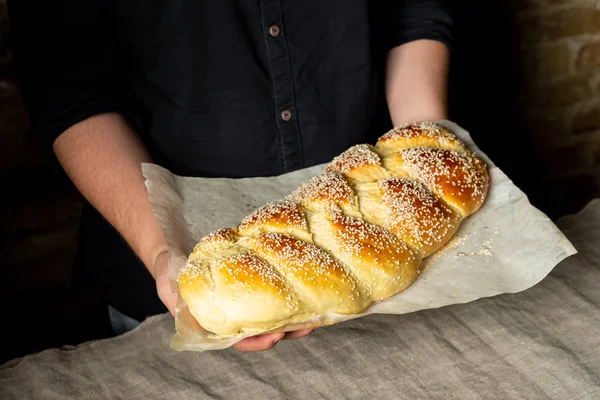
(259, 343)
(168, 298)
(298, 334)
(170, 302)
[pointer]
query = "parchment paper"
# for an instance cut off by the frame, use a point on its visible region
(506, 247)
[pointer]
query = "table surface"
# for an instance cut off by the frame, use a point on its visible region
(543, 343)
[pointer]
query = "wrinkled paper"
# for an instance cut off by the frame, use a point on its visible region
(506, 247)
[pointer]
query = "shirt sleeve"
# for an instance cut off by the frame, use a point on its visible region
(65, 64)
(411, 20)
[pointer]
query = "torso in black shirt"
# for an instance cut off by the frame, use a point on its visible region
(222, 89)
(227, 97)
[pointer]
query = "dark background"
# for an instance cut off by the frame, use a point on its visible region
(524, 81)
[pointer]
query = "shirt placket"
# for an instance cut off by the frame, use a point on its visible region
(283, 85)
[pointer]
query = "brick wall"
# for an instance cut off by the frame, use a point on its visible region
(559, 51)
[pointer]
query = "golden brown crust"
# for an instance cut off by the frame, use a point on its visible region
(460, 179)
(282, 216)
(379, 259)
(416, 215)
(214, 242)
(328, 190)
(423, 134)
(246, 294)
(352, 236)
(319, 279)
(250, 271)
(359, 164)
(219, 238)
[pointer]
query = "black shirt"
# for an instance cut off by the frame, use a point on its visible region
(215, 88)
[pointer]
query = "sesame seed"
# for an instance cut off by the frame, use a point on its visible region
(435, 168)
(329, 189)
(282, 212)
(415, 213)
(420, 133)
(355, 157)
(436, 182)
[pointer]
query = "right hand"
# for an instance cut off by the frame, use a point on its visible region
(255, 343)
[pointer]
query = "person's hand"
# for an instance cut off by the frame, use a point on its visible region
(255, 343)
(163, 286)
(268, 341)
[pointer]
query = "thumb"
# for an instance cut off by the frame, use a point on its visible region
(163, 285)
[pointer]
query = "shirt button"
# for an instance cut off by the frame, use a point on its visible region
(286, 115)
(274, 30)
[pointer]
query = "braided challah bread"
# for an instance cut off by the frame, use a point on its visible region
(350, 237)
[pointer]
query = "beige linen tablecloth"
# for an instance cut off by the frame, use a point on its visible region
(543, 343)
